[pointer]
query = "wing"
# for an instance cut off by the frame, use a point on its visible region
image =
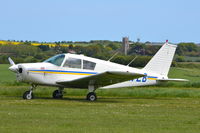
(101, 79)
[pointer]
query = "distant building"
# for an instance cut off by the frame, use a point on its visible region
(125, 45)
(71, 51)
(154, 43)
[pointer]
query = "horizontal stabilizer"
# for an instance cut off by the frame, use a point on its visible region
(101, 79)
(175, 80)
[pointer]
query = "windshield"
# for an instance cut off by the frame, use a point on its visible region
(56, 60)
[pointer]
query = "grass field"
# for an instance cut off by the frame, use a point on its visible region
(113, 115)
(171, 108)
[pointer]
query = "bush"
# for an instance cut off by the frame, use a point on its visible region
(180, 59)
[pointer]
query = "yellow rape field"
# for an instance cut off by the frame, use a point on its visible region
(8, 42)
(2, 42)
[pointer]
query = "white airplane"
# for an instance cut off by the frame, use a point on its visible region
(79, 71)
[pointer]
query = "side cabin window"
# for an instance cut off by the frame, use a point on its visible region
(88, 65)
(73, 63)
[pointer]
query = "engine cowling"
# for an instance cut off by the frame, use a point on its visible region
(22, 73)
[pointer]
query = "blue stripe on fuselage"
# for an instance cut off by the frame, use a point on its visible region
(65, 71)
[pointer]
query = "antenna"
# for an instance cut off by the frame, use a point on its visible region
(131, 61)
(113, 56)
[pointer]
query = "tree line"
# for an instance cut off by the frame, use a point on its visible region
(98, 49)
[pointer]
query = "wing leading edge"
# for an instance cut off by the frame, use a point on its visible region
(101, 79)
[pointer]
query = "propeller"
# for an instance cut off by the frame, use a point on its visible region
(13, 67)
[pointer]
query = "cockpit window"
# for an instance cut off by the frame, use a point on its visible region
(88, 65)
(73, 63)
(56, 60)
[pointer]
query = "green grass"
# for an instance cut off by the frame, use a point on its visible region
(136, 92)
(192, 74)
(170, 108)
(112, 115)
(5, 74)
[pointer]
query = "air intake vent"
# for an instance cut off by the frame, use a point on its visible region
(20, 70)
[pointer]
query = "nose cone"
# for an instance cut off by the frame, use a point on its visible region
(13, 68)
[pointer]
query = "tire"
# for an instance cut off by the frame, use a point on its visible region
(28, 96)
(57, 94)
(91, 96)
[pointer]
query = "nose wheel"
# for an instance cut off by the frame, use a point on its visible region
(29, 94)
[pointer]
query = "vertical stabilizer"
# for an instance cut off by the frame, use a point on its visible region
(161, 61)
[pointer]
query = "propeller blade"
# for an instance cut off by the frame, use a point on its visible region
(13, 68)
(11, 61)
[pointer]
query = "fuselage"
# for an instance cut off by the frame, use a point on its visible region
(70, 67)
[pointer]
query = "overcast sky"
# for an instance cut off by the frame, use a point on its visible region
(84, 20)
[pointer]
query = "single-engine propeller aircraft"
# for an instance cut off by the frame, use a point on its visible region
(79, 71)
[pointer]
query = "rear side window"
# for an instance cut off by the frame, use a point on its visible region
(73, 63)
(88, 65)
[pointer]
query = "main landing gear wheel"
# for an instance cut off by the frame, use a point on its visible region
(28, 95)
(57, 94)
(91, 96)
